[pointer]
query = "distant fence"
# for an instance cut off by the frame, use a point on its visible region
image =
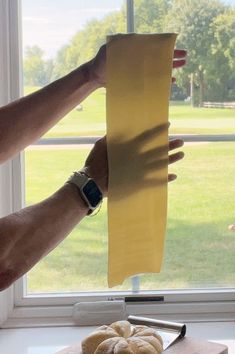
(219, 104)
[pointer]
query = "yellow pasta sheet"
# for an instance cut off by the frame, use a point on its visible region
(138, 86)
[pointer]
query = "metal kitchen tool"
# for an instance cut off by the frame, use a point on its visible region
(169, 331)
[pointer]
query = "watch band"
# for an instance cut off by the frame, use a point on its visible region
(79, 179)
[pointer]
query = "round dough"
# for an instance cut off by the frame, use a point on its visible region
(123, 338)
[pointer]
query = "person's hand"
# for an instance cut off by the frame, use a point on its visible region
(141, 166)
(179, 60)
(96, 165)
(98, 65)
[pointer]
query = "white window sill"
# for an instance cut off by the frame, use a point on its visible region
(50, 340)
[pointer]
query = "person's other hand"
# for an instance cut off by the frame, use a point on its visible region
(179, 60)
(96, 165)
(141, 165)
(98, 65)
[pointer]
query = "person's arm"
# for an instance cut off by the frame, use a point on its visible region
(30, 234)
(24, 121)
(27, 119)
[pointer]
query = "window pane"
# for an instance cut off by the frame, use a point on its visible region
(79, 263)
(199, 249)
(206, 30)
(87, 120)
(57, 38)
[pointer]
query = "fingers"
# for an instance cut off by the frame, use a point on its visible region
(102, 51)
(178, 63)
(156, 165)
(156, 152)
(161, 163)
(175, 144)
(101, 140)
(180, 53)
(150, 133)
(149, 182)
(176, 157)
(171, 177)
(153, 182)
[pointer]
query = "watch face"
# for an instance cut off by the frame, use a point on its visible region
(92, 193)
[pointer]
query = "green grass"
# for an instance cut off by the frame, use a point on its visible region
(184, 119)
(199, 250)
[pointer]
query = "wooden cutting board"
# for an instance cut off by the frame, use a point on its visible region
(186, 345)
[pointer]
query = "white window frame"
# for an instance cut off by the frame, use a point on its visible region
(19, 309)
(11, 178)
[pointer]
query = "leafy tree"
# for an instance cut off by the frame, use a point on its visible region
(193, 21)
(37, 72)
(224, 33)
(150, 15)
(85, 44)
(206, 30)
(223, 52)
(48, 70)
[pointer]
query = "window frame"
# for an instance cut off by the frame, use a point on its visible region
(11, 178)
(19, 309)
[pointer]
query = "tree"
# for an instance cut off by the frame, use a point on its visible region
(206, 30)
(193, 21)
(224, 34)
(150, 15)
(223, 51)
(37, 72)
(85, 44)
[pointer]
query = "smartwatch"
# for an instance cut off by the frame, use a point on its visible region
(88, 190)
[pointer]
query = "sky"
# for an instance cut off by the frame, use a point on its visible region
(51, 23)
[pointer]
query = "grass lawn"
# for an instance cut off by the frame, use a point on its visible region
(184, 119)
(199, 249)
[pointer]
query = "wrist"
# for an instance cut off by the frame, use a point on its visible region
(92, 75)
(84, 80)
(75, 198)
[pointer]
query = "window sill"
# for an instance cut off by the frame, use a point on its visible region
(50, 340)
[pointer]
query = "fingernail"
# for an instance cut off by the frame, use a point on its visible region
(181, 142)
(173, 178)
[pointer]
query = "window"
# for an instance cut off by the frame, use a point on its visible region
(87, 25)
(198, 263)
